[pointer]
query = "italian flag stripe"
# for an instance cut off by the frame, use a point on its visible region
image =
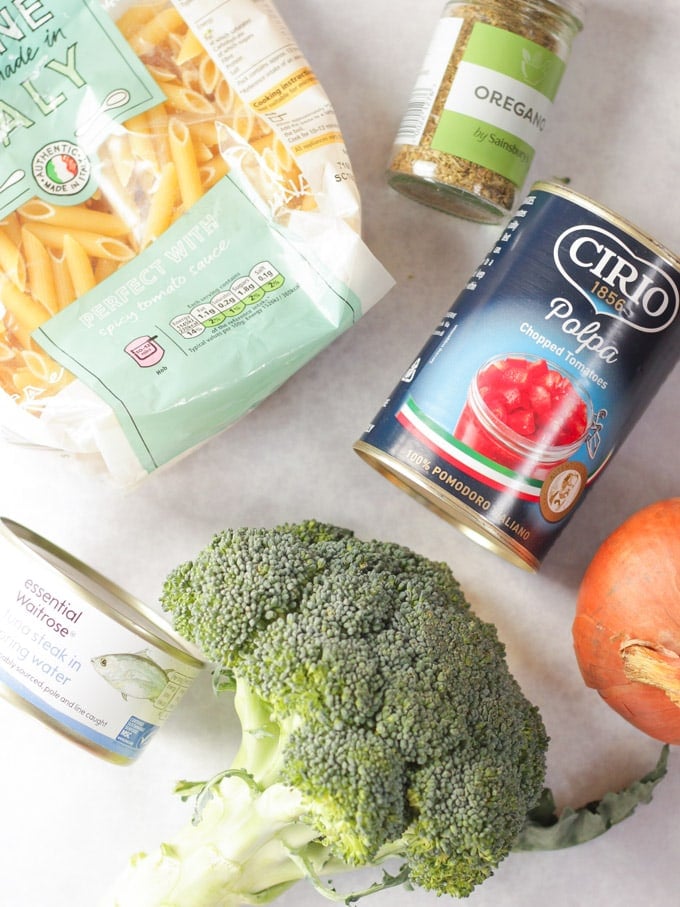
(463, 457)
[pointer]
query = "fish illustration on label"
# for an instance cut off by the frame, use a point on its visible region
(135, 676)
(138, 676)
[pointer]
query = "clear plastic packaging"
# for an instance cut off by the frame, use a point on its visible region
(179, 228)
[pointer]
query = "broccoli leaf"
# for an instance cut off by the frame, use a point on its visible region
(327, 889)
(545, 830)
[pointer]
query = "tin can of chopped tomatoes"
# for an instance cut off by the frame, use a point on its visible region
(534, 376)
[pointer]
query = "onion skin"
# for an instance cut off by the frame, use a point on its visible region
(626, 629)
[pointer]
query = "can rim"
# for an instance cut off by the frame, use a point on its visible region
(102, 593)
(451, 510)
(51, 723)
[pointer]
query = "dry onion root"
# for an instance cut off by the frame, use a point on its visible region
(627, 626)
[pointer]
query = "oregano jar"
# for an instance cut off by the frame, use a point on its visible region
(481, 103)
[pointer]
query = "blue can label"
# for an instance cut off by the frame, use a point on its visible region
(536, 374)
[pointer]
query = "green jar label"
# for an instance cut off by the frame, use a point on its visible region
(58, 102)
(499, 102)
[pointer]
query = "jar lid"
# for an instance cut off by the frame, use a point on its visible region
(576, 8)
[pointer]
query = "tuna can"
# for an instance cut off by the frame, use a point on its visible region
(534, 376)
(80, 654)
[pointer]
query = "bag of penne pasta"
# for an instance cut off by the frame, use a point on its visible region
(179, 223)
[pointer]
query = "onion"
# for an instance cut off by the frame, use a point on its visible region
(626, 630)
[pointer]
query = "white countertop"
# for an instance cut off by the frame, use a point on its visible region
(70, 820)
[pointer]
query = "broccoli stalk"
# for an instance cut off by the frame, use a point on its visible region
(379, 720)
(248, 841)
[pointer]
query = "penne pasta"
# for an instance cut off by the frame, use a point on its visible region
(103, 268)
(213, 170)
(96, 244)
(205, 133)
(12, 261)
(202, 151)
(246, 123)
(131, 21)
(41, 366)
(142, 144)
(121, 158)
(189, 48)
(63, 284)
(208, 75)
(277, 157)
(225, 97)
(79, 265)
(78, 217)
(27, 314)
(151, 170)
(162, 74)
(184, 158)
(40, 274)
(22, 380)
(155, 30)
(188, 100)
(158, 128)
(11, 227)
(119, 197)
(163, 204)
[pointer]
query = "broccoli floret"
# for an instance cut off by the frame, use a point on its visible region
(379, 720)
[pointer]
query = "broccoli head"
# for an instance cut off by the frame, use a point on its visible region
(378, 711)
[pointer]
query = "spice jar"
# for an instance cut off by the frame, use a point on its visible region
(480, 104)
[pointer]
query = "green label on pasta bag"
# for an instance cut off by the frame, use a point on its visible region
(201, 326)
(499, 102)
(68, 77)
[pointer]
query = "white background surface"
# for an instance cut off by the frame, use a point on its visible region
(69, 821)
